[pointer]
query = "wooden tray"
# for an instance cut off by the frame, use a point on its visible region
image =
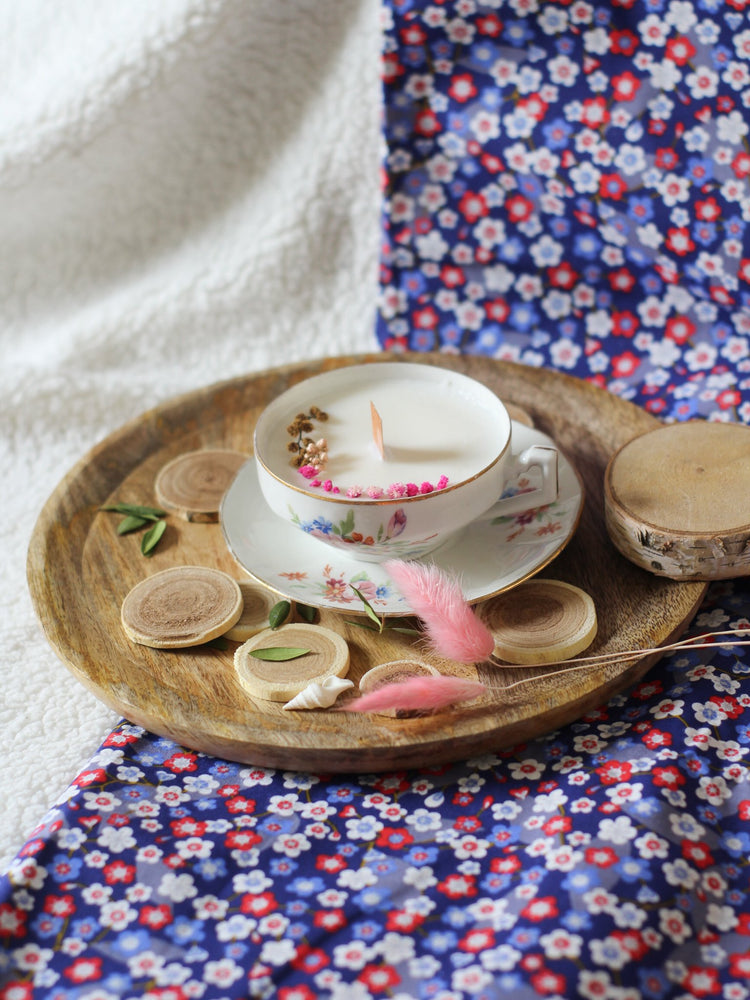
(79, 571)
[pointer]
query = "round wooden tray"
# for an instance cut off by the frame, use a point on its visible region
(79, 571)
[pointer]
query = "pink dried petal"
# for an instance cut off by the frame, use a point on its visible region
(420, 693)
(396, 490)
(452, 627)
(442, 482)
(426, 488)
(354, 491)
(412, 489)
(308, 471)
(374, 492)
(328, 485)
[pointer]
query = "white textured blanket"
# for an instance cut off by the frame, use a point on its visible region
(188, 192)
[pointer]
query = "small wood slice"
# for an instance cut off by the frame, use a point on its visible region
(257, 601)
(193, 485)
(518, 414)
(677, 500)
(541, 621)
(281, 680)
(182, 606)
(394, 672)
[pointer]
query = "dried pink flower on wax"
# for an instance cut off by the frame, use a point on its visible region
(452, 627)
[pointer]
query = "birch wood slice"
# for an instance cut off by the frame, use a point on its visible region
(79, 572)
(677, 500)
(541, 621)
(192, 485)
(182, 606)
(281, 680)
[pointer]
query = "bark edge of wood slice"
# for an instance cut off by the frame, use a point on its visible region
(677, 500)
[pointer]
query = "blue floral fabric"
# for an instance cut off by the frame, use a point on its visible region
(608, 860)
(566, 184)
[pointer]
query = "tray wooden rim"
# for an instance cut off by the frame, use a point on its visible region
(58, 561)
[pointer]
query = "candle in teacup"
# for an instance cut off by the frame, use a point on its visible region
(445, 458)
(436, 430)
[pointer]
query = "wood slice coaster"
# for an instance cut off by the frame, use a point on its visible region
(677, 500)
(541, 621)
(257, 601)
(181, 606)
(281, 680)
(395, 672)
(518, 414)
(192, 485)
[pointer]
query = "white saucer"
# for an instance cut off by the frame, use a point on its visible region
(487, 556)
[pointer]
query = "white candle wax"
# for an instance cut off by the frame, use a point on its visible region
(434, 425)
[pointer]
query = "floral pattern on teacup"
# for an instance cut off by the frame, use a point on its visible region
(344, 533)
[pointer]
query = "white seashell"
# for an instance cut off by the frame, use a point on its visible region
(320, 695)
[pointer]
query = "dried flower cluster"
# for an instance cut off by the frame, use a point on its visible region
(308, 452)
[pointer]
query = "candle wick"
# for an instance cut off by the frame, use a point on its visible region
(377, 430)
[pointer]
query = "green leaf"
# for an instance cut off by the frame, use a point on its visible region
(152, 537)
(131, 523)
(386, 628)
(278, 653)
(369, 610)
(364, 625)
(306, 612)
(279, 613)
(137, 510)
(347, 525)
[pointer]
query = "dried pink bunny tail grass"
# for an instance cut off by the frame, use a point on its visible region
(452, 628)
(417, 694)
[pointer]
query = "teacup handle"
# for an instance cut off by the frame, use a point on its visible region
(546, 460)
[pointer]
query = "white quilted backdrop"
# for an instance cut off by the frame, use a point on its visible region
(188, 191)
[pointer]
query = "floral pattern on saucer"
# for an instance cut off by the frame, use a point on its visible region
(543, 521)
(338, 586)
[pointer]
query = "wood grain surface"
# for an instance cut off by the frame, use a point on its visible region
(79, 571)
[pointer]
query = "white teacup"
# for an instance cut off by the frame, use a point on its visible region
(446, 459)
